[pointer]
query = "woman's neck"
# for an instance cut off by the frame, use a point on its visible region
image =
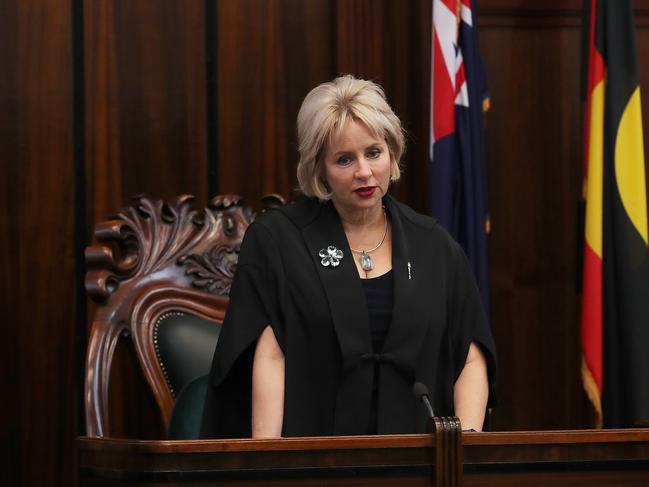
(361, 219)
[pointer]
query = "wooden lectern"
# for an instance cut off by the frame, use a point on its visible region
(554, 458)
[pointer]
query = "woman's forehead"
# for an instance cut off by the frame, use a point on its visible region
(352, 131)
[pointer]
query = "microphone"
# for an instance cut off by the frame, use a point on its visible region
(421, 392)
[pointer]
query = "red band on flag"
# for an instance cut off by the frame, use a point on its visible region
(450, 4)
(591, 328)
(443, 97)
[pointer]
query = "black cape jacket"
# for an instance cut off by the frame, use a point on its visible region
(321, 322)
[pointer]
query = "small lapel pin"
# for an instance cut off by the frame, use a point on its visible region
(330, 256)
(409, 276)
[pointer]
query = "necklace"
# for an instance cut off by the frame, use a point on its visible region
(366, 259)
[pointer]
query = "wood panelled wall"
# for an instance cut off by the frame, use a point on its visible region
(534, 152)
(103, 99)
(270, 54)
(145, 101)
(38, 349)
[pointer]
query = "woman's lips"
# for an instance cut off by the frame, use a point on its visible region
(365, 192)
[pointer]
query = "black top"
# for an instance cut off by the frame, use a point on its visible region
(379, 297)
(320, 318)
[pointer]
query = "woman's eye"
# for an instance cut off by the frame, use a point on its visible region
(343, 160)
(373, 153)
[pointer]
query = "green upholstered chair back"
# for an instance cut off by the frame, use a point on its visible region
(184, 346)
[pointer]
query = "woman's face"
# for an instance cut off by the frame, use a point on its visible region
(357, 168)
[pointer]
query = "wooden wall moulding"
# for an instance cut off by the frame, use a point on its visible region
(535, 7)
(531, 15)
(550, 14)
(154, 257)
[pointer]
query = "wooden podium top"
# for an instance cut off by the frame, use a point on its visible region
(596, 457)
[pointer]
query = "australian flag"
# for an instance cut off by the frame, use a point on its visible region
(458, 191)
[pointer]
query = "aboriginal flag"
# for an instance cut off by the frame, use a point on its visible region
(458, 191)
(615, 308)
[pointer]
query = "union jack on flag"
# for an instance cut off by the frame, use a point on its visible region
(458, 191)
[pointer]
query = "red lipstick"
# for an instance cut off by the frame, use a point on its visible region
(366, 191)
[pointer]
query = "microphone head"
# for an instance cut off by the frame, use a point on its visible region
(419, 390)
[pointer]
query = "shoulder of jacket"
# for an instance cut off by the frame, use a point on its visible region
(298, 213)
(407, 213)
(428, 224)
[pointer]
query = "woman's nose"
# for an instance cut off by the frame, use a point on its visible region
(364, 170)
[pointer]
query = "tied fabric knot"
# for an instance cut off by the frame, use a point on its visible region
(404, 369)
(380, 358)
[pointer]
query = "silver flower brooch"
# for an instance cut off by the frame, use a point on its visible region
(330, 257)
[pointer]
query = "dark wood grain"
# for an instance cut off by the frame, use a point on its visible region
(37, 233)
(534, 156)
(527, 458)
(145, 101)
(271, 54)
(10, 218)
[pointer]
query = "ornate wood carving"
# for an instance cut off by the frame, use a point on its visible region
(214, 270)
(154, 257)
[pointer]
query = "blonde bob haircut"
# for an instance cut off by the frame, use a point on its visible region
(325, 112)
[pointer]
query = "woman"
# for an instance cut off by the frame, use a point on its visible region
(346, 298)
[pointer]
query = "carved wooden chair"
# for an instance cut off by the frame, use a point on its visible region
(161, 275)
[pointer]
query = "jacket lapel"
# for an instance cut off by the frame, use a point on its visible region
(410, 323)
(406, 332)
(341, 285)
(350, 320)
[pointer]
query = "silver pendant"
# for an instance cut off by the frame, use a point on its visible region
(366, 262)
(330, 256)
